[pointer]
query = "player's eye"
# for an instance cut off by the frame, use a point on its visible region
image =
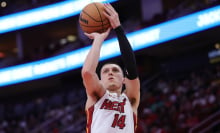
(105, 70)
(115, 70)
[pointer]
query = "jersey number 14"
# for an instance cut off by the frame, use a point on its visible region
(119, 121)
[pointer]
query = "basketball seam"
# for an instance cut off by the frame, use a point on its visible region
(100, 16)
(92, 17)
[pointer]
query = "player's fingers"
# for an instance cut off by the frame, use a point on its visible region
(106, 33)
(86, 34)
(110, 14)
(109, 9)
(106, 14)
(89, 35)
(108, 30)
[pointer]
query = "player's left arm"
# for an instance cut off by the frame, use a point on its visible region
(132, 82)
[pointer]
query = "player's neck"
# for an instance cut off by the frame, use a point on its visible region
(118, 92)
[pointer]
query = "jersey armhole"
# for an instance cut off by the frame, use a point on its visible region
(135, 121)
(89, 115)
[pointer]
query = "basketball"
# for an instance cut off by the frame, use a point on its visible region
(92, 19)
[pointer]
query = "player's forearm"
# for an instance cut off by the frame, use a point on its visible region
(127, 54)
(92, 58)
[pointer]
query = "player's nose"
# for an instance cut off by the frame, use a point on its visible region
(110, 73)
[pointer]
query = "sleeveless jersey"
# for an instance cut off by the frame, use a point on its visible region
(111, 114)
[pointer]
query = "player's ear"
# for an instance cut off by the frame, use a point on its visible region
(123, 81)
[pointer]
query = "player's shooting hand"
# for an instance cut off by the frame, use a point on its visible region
(96, 35)
(112, 15)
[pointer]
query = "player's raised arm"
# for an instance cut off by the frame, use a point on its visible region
(91, 81)
(132, 82)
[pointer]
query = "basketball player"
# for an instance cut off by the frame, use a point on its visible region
(109, 110)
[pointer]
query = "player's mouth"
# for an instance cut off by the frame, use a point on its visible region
(110, 78)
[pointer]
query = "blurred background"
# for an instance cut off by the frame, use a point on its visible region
(180, 83)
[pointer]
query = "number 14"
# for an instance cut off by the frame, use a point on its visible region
(119, 121)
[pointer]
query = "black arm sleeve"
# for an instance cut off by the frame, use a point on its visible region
(127, 54)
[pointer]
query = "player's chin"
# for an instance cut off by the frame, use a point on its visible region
(113, 87)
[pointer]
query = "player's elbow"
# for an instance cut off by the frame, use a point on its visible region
(86, 73)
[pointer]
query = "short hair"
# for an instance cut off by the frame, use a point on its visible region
(99, 68)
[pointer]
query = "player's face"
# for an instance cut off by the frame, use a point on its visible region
(112, 77)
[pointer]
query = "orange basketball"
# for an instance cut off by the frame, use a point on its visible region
(92, 19)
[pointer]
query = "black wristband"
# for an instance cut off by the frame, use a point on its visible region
(127, 54)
